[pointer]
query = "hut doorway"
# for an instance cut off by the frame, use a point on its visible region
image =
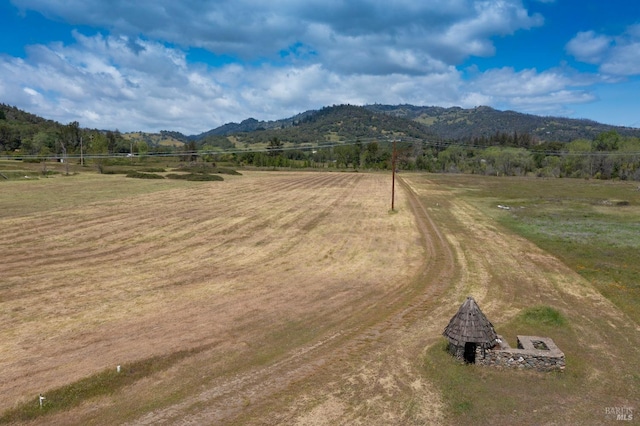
(470, 353)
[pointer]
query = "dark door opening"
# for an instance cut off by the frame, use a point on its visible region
(470, 353)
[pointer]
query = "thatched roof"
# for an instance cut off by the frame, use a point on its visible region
(470, 325)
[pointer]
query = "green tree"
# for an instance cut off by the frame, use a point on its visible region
(452, 159)
(69, 137)
(275, 147)
(508, 161)
(143, 149)
(627, 159)
(606, 141)
(98, 148)
(43, 141)
(578, 160)
(550, 166)
(190, 151)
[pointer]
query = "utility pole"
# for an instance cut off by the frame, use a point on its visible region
(81, 154)
(393, 176)
(64, 158)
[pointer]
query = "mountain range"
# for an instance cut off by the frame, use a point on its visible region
(340, 123)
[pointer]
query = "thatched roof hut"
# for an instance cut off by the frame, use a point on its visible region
(468, 329)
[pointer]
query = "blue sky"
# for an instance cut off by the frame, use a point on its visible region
(193, 65)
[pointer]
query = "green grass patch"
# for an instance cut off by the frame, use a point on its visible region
(542, 315)
(104, 383)
(591, 225)
(17, 175)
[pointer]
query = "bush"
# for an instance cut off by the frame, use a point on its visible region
(195, 177)
(204, 178)
(177, 176)
(229, 172)
(206, 169)
(116, 172)
(139, 175)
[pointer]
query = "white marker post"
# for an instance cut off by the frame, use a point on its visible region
(42, 398)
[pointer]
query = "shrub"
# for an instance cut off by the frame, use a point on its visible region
(139, 175)
(204, 178)
(229, 172)
(116, 172)
(195, 177)
(177, 176)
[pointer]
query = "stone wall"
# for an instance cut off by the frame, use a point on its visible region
(533, 352)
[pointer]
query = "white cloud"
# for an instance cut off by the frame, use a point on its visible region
(589, 47)
(296, 56)
(615, 55)
(546, 92)
(506, 82)
(624, 57)
(101, 83)
(348, 36)
(30, 91)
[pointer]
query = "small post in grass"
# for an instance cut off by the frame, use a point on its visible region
(41, 398)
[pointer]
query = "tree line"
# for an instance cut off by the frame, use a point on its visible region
(609, 156)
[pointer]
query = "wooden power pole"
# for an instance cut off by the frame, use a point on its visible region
(393, 176)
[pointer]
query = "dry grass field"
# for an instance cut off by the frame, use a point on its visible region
(102, 270)
(286, 298)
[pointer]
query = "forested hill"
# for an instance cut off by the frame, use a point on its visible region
(458, 124)
(30, 134)
(453, 124)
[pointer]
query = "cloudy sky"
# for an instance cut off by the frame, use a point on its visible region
(193, 65)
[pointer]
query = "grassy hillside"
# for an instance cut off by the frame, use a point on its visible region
(155, 139)
(334, 124)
